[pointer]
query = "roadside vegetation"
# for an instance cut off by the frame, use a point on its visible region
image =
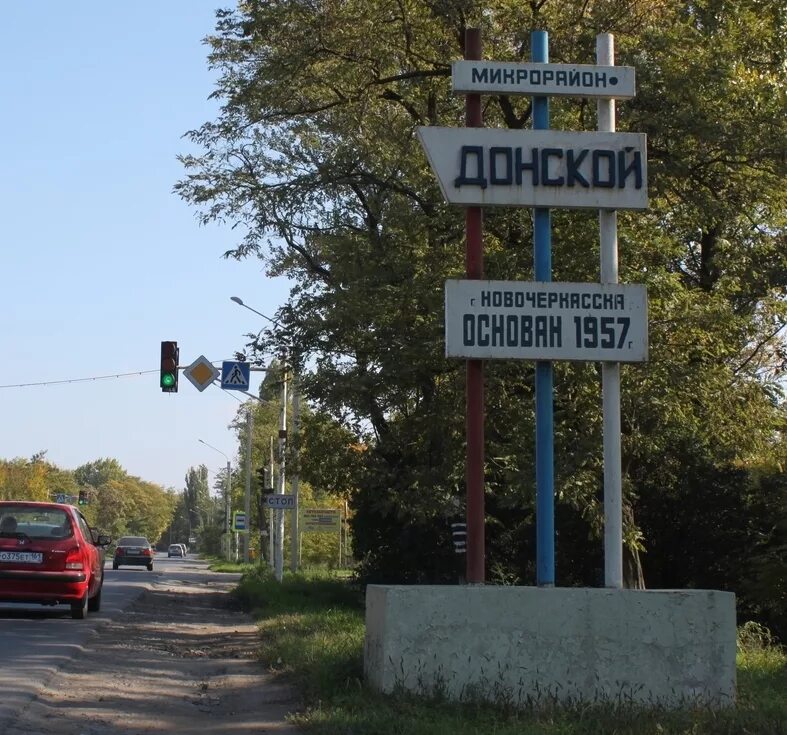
(312, 631)
(330, 189)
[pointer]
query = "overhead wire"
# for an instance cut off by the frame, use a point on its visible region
(85, 380)
(77, 380)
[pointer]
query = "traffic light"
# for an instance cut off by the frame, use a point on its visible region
(168, 379)
(262, 480)
(82, 497)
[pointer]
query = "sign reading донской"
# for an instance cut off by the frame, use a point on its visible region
(546, 321)
(538, 168)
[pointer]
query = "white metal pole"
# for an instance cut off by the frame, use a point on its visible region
(295, 483)
(247, 499)
(610, 371)
(279, 525)
(228, 494)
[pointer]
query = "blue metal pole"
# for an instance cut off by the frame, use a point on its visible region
(542, 251)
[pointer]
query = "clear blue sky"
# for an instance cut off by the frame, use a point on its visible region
(99, 260)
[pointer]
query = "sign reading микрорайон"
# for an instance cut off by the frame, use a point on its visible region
(603, 322)
(538, 168)
(576, 80)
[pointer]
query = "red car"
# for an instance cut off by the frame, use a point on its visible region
(50, 555)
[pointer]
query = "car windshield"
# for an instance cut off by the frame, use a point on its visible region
(133, 541)
(34, 522)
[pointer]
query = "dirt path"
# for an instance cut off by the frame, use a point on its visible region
(180, 661)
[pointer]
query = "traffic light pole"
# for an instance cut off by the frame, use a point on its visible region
(227, 496)
(247, 503)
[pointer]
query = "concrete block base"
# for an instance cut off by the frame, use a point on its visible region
(528, 645)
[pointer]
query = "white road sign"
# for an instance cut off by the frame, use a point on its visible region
(538, 168)
(280, 501)
(546, 321)
(577, 80)
(201, 373)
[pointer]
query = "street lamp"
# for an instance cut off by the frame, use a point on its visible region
(278, 529)
(227, 494)
(238, 300)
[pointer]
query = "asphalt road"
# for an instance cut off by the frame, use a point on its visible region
(35, 641)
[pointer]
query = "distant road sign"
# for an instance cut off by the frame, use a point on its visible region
(315, 519)
(235, 375)
(60, 498)
(280, 501)
(239, 521)
(576, 80)
(538, 168)
(546, 321)
(201, 373)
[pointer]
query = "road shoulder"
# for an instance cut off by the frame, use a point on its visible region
(181, 660)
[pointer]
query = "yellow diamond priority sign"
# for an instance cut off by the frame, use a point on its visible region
(201, 373)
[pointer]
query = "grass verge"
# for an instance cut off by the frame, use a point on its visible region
(312, 630)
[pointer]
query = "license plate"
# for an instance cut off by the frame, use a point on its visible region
(25, 557)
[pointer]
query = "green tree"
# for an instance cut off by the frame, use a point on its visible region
(196, 497)
(98, 472)
(314, 155)
(121, 503)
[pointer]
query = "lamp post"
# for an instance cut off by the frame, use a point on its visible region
(279, 526)
(227, 493)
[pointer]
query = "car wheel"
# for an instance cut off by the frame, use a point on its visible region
(79, 608)
(150, 567)
(94, 603)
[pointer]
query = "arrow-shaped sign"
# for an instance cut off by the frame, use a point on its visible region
(538, 168)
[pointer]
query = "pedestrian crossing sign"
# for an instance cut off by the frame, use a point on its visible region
(235, 375)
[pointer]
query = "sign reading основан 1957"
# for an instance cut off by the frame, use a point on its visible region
(602, 322)
(538, 168)
(577, 80)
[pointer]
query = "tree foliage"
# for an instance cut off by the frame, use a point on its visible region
(118, 503)
(314, 156)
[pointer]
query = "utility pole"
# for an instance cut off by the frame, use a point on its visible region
(296, 420)
(271, 546)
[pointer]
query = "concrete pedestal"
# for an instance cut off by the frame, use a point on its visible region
(529, 645)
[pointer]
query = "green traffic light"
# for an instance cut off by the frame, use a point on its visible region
(167, 380)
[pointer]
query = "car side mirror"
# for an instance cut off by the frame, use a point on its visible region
(103, 540)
